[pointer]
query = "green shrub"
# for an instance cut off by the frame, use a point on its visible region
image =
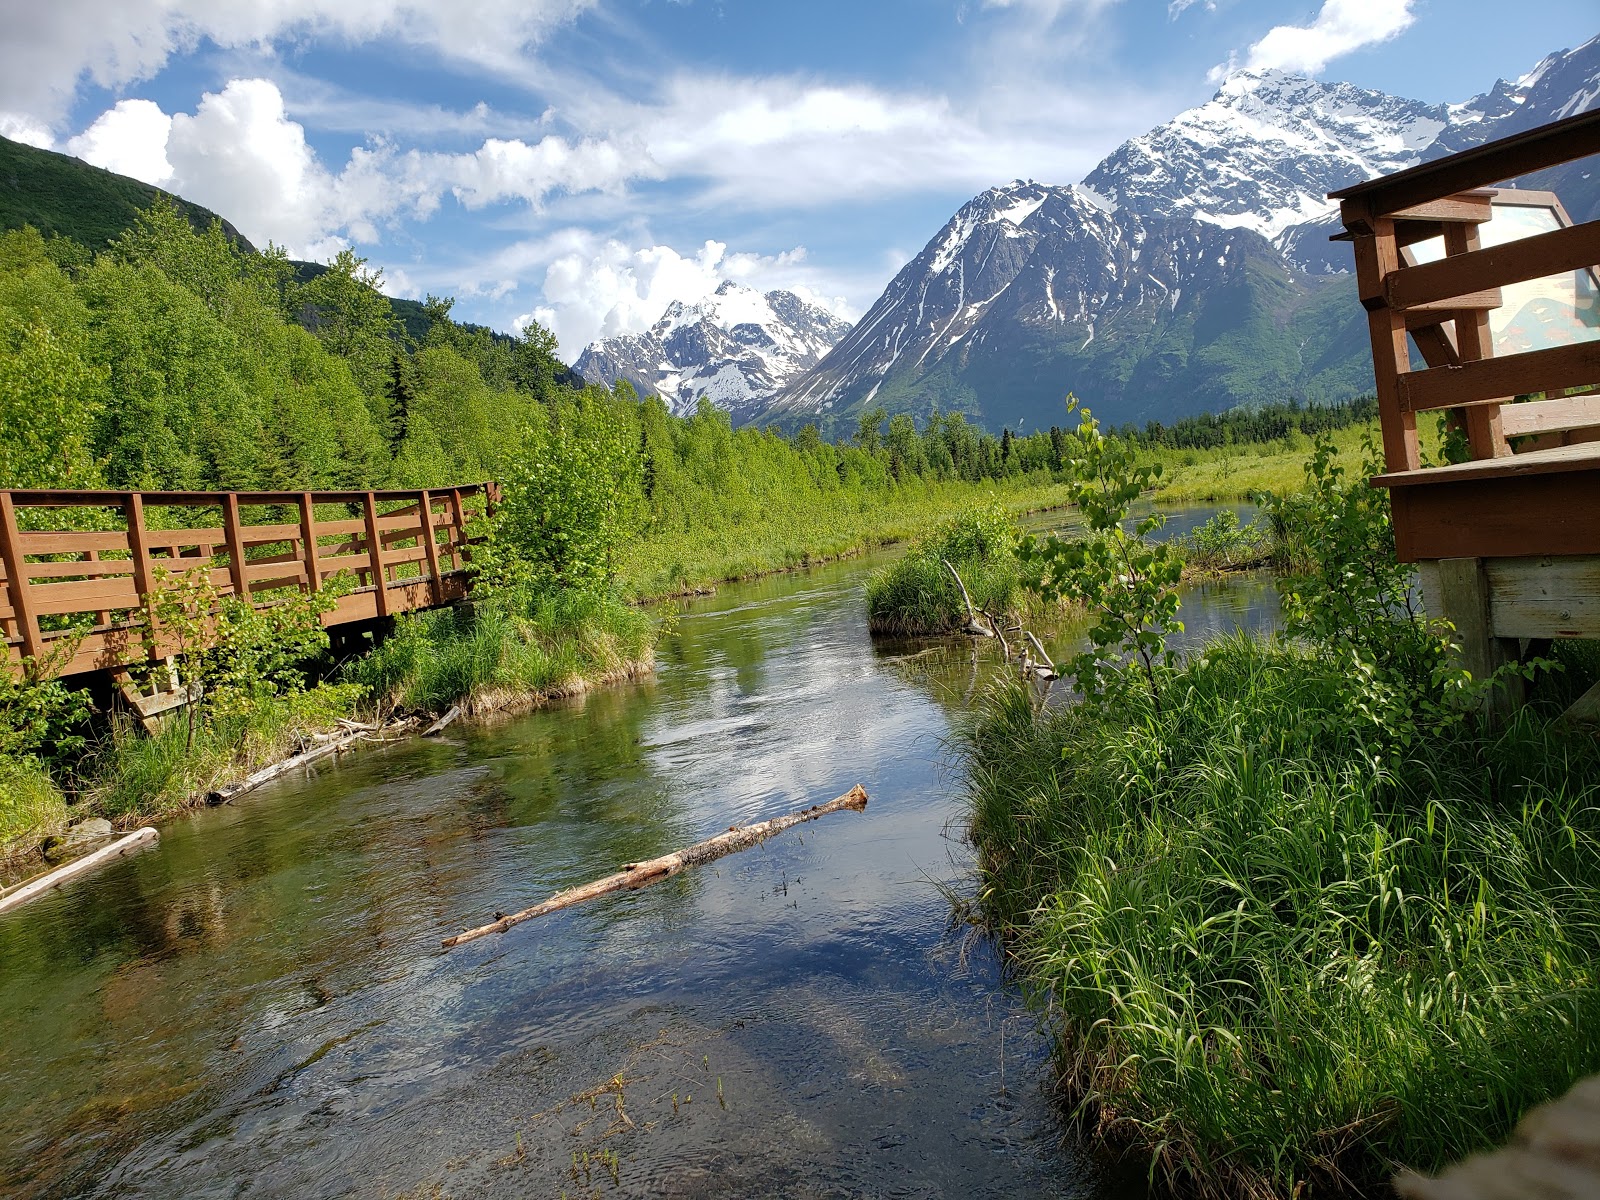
(917, 595)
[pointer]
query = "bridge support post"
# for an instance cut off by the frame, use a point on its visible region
(16, 564)
(380, 580)
(430, 547)
(1463, 592)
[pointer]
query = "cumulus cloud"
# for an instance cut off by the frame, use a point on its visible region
(596, 288)
(50, 47)
(1339, 27)
(240, 154)
(130, 139)
(20, 127)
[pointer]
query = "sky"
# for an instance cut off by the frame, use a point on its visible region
(585, 162)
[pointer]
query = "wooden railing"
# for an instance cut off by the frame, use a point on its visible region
(1444, 306)
(76, 567)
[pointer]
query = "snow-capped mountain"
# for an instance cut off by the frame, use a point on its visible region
(736, 347)
(1189, 270)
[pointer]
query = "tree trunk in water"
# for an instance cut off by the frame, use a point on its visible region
(638, 875)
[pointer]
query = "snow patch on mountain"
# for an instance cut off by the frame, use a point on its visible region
(736, 347)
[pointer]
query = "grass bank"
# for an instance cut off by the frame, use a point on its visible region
(916, 595)
(1281, 944)
(812, 528)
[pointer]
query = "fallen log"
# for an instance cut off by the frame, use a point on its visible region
(974, 626)
(443, 722)
(357, 733)
(35, 888)
(638, 875)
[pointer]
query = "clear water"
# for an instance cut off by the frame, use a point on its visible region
(260, 1007)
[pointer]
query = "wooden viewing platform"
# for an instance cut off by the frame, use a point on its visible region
(76, 567)
(1495, 288)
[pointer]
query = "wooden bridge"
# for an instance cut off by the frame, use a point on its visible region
(76, 567)
(1496, 292)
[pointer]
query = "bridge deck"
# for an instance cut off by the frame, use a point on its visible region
(76, 568)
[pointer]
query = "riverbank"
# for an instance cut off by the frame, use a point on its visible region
(820, 528)
(507, 652)
(1279, 947)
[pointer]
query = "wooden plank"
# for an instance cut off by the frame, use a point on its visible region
(1436, 343)
(1544, 597)
(1492, 379)
(1553, 253)
(260, 535)
(70, 542)
(17, 583)
(1511, 516)
(174, 539)
(80, 570)
(1464, 602)
(377, 574)
(350, 525)
(1473, 207)
(234, 533)
(281, 568)
(308, 541)
(1441, 310)
(1377, 256)
(1544, 416)
(83, 595)
(1547, 146)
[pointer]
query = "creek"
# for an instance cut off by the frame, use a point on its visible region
(260, 1007)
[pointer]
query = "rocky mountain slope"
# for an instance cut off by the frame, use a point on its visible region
(737, 347)
(1190, 270)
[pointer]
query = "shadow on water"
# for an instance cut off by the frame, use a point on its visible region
(260, 1007)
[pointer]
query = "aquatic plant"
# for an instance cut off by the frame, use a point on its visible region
(917, 595)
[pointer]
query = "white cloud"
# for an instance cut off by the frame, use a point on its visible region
(130, 139)
(1340, 27)
(20, 127)
(1176, 8)
(596, 288)
(49, 47)
(241, 155)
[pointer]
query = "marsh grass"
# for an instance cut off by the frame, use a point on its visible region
(1279, 948)
(916, 595)
(31, 806)
(510, 647)
(135, 776)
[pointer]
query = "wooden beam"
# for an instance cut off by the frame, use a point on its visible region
(1378, 256)
(1446, 310)
(1504, 516)
(1492, 379)
(431, 545)
(458, 537)
(17, 582)
(233, 532)
(1474, 342)
(144, 576)
(1545, 416)
(1552, 253)
(308, 542)
(1464, 602)
(1469, 207)
(380, 577)
(1544, 597)
(1547, 146)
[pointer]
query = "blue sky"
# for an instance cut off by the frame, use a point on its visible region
(587, 161)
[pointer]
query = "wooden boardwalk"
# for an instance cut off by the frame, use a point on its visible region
(1484, 302)
(76, 567)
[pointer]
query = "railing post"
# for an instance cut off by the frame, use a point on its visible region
(144, 582)
(1473, 342)
(459, 538)
(232, 530)
(436, 587)
(380, 580)
(308, 542)
(1377, 257)
(17, 581)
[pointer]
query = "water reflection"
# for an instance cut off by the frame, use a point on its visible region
(260, 1006)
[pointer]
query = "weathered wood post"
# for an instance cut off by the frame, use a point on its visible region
(17, 581)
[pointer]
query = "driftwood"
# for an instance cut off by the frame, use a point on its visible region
(974, 626)
(443, 722)
(638, 875)
(35, 888)
(356, 732)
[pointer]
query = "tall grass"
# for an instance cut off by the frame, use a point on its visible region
(134, 775)
(916, 595)
(511, 646)
(31, 806)
(1278, 947)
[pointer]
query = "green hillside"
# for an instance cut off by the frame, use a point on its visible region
(66, 197)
